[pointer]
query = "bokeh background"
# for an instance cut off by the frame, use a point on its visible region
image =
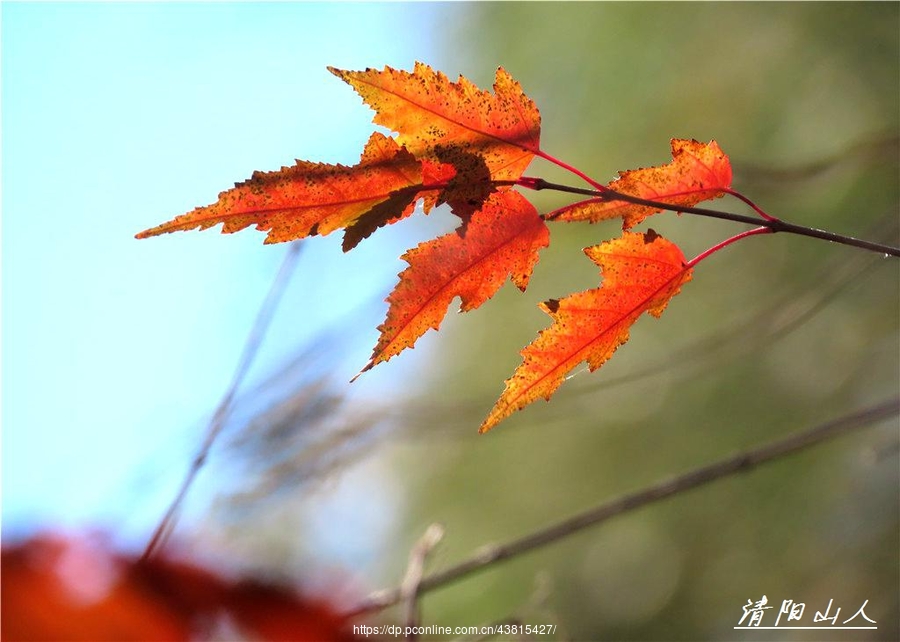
(115, 352)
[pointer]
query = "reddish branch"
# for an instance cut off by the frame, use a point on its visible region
(771, 223)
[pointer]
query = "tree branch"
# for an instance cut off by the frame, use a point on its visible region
(409, 587)
(774, 224)
(742, 462)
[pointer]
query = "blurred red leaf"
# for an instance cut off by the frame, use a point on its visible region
(58, 588)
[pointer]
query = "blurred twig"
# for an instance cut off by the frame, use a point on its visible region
(868, 150)
(409, 587)
(742, 462)
(251, 347)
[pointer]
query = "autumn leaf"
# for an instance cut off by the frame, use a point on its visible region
(385, 212)
(452, 121)
(698, 172)
(467, 147)
(64, 588)
(641, 272)
(316, 198)
(501, 241)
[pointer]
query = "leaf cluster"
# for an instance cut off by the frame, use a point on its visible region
(469, 148)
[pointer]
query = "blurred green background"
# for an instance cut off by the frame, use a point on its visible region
(115, 351)
(774, 335)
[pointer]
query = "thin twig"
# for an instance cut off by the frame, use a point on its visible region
(251, 347)
(774, 224)
(742, 462)
(867, 150)
(409, 587)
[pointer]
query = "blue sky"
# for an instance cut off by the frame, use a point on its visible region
(115, 118)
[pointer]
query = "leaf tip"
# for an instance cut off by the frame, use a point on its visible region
(360, 373)
(488, 424)
(152, 231)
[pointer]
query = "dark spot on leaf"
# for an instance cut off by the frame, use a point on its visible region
(552, 304)
(470, 188)
(650, 236)
(380, 215)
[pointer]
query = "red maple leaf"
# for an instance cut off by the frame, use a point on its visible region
(641, 272)
(501, 241)
(698, 172)
(317, 198)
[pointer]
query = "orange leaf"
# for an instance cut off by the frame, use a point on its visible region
(698, 172)
(641, 272)
(58, 588)
(317, 198)
(502, 240)
(452, 121)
